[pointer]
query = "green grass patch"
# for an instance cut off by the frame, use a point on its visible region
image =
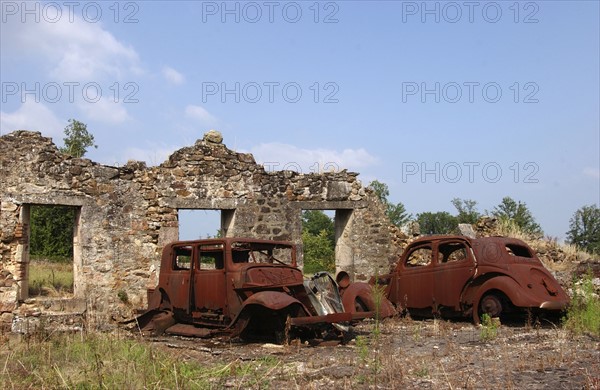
(489, 328)
(50, 279)
(583, 314)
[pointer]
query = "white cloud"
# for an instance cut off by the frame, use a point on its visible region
(278, 156)
(173, 76)
(105, 110)
(152, 155)
(75, 51)
(32, 116)
(594, 173)
(200, 114)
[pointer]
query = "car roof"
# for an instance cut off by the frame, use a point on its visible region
(471, 241)
(231, 240)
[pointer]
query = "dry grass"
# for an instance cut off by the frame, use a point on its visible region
(50, 279)
(402, 353)
(102, 361)
(508, 228)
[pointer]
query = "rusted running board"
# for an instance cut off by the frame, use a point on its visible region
(330, 318)
(191, 331)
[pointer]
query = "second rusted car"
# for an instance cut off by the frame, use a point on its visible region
(460, 276)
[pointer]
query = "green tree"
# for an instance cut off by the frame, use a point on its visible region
(316, 221)
(517, 212)
(467, 210)
(77, 139)
(395, 212)
(52, 232)
(441, 222)
(319, 254)
(584, 229)
(318, 239)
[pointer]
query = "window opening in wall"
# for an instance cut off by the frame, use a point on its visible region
(323, 239)
(53, 245)
(197, 224)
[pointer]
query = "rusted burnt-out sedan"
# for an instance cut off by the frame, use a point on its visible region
(459, 276)
(245, 287)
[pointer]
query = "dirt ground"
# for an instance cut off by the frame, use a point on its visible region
(408, 353)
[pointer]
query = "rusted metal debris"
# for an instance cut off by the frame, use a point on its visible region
(461, 276)
(249, 288)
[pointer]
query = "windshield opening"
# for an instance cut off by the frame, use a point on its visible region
(243, 252)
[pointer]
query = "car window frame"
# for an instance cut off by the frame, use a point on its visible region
(465, 247)
(430, 247)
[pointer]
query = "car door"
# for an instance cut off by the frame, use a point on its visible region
(452, 269)
(414, 285)
(178, 280)
(209, 280)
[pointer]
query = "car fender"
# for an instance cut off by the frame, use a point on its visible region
(364, 292)
(509, 287)
(158, 299)
(477, 288)
(505, 284)
(272, 300)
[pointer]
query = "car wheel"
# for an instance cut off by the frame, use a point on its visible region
(491, 304)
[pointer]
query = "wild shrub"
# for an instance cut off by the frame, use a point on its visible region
(489, 328)
(583, 314)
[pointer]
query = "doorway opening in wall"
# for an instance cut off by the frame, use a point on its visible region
(53, 232)
(323, 240)
(197, 224)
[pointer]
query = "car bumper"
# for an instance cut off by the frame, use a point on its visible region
(553, 305)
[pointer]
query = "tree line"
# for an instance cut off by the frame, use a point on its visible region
(318, 235)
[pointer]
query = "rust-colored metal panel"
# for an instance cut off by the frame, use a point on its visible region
(359, 297)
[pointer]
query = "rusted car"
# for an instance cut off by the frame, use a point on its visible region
(459, 276)
(243, 287)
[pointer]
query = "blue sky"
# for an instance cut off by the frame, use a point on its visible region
(477, 100)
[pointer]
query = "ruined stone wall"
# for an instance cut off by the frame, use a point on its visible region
(127, 213)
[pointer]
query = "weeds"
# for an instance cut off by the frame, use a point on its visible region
(583, 314)
(508, 227)
(378, 292)
(369, 352)
(489, 328)
(422, 371)
(362, 347)
(416, 332)
(98, 361)
(123, 297)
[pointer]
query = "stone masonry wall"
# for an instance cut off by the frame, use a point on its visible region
(126, 214)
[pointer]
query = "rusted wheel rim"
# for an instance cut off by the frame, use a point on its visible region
(491, 305)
